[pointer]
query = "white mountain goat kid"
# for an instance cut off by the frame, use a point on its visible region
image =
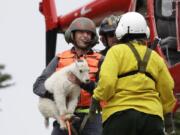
(64, 91)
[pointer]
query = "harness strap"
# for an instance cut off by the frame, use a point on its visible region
(85, 119)
(136, 54)
(74, 130)
(135, 72)
(145, 60)
(142, 64)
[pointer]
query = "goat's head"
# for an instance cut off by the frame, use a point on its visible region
(81, 70)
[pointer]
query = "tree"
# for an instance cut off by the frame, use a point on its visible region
(4, 78)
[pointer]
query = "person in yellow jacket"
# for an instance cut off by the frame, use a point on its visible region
(135, 82)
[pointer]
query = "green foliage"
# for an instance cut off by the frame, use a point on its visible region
(4, 78)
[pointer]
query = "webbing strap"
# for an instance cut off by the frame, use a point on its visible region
(136, 54)
(85, 119)
(146, 59)
(135, 72)
(142, 64)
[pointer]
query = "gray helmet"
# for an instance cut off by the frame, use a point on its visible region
(81, 24)
(108, 25)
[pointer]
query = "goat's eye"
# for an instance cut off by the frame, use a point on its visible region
(80, 71)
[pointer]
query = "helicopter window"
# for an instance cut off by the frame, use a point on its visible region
(165, 14)
(167, 8)
(165, 18)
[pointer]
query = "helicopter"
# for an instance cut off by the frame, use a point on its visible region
(162, 16)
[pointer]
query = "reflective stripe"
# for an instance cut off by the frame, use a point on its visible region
(78, 110)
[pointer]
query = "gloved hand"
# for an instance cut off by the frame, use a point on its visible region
(89, 87)
(94, 107)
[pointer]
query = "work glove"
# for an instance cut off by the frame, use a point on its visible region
(94, 108)
(169, 124)
(89, 87)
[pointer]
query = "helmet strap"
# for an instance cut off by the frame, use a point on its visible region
(104, 40)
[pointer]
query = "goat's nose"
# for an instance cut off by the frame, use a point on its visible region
(87, 80)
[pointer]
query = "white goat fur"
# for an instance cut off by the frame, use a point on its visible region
(61, 88)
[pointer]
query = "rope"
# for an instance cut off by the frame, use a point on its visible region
(68, 127)
(62, 117)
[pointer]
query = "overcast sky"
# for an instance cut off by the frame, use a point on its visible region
(22, 50)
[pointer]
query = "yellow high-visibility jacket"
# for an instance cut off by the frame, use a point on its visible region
(136, 91)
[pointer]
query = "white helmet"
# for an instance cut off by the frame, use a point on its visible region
(132, 23)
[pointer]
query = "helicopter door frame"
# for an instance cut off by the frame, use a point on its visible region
(178, 24)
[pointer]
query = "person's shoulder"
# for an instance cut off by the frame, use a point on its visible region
(156, 55)
(66, 53)
(158, 59)
(119, 47)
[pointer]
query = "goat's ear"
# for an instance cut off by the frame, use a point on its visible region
(76, 63)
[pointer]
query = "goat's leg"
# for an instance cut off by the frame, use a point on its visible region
(48, 109)
(61, 105)
(72, 103)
